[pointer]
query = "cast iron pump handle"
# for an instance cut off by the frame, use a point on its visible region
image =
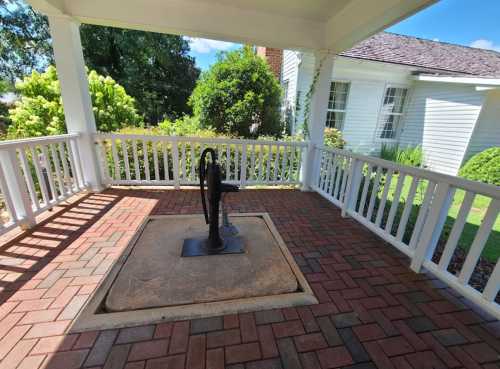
(230, 243)
(212, 174)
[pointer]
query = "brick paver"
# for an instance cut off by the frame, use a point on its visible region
(374, 312)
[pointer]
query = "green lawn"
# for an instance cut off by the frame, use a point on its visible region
(492, 249)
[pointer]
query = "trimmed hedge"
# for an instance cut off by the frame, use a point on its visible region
(483, 167)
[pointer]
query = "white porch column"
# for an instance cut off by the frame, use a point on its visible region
(323, 61)
(75, 94)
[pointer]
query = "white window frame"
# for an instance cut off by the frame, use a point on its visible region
(380, 122)
(328, 110)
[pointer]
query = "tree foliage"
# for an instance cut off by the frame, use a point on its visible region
(39, 112)
(239, 95)
(4, 108)
(483, 167)
(154, 68)
(24, 40)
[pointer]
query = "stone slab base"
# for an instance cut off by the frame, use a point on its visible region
(152, 283)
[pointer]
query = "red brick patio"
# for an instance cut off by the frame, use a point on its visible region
(373, 311)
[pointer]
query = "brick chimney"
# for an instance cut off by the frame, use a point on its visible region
(274, 57)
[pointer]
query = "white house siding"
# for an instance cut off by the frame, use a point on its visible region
(487, 131)
(289, 74)
(304, 79)
(368, 82)
(441, 118)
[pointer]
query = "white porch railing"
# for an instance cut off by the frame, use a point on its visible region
(173, 160)
(408, 208)
(37, 174)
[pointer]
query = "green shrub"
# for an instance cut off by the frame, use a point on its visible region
(333, 138)
(39, 112)
(410, 155)
(239, 96)
(483, 167)
(260, 157)
(186, 126)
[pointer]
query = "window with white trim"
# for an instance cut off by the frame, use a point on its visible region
(391, 112)
(337, 104)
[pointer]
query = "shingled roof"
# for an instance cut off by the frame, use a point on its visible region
(430, 56)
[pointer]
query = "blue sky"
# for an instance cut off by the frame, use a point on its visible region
(466, 22)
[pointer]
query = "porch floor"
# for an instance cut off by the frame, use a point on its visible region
(373, 312)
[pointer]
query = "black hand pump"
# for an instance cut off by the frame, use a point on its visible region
(214, 244)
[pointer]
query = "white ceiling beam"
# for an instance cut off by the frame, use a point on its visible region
(49, 7)
(290, 29)
(201, 19)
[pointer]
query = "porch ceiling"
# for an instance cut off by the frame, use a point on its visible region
(314, 24)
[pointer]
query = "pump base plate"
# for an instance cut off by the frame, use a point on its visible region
(198, 247)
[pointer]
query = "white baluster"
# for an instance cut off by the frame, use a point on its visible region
(395, 202)
(175, 163)
(28, 179)
(165, 160)
(146, 160)
(137, 169)
(477, 246)
(125, 159)
(366, 183)
(456, 231)
(422, 215)
(243, 173)
(155, 160)
(116, 161)
(383, 200)
(407, 209)
(57, 167)
(434, 222)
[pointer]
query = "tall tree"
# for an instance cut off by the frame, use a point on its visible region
(154, 68)
(24, 40)
(239, 95)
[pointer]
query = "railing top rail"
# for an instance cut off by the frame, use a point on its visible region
(464, 184)
(36, 140)
(199, 139)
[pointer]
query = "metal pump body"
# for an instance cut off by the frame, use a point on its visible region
(228, 242)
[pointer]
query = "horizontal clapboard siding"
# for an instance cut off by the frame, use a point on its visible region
(441, 118)
(361, 116)
(368, 82)
(289, 74)
(487, 132)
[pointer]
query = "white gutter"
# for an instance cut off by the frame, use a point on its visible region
(476, 81)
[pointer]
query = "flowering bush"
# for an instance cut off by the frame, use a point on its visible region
(39, 112)
(333, 138)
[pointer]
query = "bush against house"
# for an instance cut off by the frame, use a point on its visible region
(39, 112)
(483, 167)
(410, 155)
(239, 96)
(333, 138)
